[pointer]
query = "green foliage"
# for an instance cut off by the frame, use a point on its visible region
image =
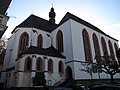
(39, 79)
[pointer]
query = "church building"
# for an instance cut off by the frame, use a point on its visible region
(57, 50)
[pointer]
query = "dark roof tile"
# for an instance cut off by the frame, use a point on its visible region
(37, 22)
(51, 51)
(71, 16)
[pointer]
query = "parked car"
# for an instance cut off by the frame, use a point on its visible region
(105, 87)
(63, 88)
(75, 87)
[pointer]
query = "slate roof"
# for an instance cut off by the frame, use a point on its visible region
(45, 25)
(37, 22)
(51, 51)
(71, 16)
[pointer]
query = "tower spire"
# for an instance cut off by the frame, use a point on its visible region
(52, 15)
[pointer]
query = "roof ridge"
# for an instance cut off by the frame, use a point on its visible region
(37, 22)
(50, 51)
(69, 15)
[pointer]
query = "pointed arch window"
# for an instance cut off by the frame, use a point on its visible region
(59, 41)
(50, 66)
(96, 48)
(23, 42)
(111, 51)
(116, 47)
(87, 47)
(39, 65)
(104, 47)
(28, 64)
(40, 41)
(60, 67)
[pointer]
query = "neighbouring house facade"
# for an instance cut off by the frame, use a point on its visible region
(4, 4)
(3, 15)
(58, 50)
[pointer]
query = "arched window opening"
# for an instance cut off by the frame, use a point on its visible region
(39, 65)
(59, 41)
(87, 47)
(104, 47)
(23, 42)
(40, 41)
(116, 47)
(111, 51)
(61, 69)
(69, 75)
(50, 66)
(28, 64)
(96, 48)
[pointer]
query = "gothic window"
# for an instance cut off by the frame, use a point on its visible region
(96, 48)
(104, 47)
(39, 65)
(87, 47)
(23, 42)
(40, 41)
(59, 41)
(50, 66)
(1, 19)
(111, 51)
(28, 64)
(60, 67)
(116, 47)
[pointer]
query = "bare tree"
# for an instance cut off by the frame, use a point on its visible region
(3, 44)
(109, 66)
(88, 69)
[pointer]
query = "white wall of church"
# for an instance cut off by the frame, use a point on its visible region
(78, 48)
(67, 40)
(14, 42)
(55, 77)
(77, 42)
(8, 59)
(46, 39)
(25, 78)
(13, 45)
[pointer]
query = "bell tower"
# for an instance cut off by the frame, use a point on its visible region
(52, 15)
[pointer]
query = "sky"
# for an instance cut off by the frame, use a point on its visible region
(104, 14)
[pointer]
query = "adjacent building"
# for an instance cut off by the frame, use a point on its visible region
(4, 4)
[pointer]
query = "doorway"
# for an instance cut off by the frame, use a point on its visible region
(69, 73)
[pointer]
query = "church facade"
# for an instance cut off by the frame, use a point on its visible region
(57, 50)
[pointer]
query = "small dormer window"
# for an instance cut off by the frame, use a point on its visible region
(1, 18)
